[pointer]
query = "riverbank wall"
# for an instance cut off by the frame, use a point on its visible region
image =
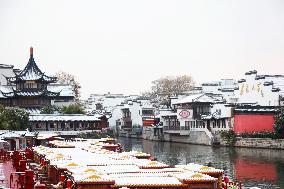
(259, 143)
(201, 137)
(267, 143)
(130, 135)
(192, 137)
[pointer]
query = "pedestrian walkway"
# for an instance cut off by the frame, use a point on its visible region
(5, 169)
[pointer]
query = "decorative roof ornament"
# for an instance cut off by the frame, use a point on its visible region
(32, 72)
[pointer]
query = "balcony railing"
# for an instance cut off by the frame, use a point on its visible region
(176, 128)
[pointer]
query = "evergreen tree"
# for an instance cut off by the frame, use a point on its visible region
(279, 123)
(49, 109)
(14, 119)
(72, 109)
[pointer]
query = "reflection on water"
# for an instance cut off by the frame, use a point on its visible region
(255, 167)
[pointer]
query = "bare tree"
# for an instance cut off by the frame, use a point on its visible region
(66, 78)
(166, 87)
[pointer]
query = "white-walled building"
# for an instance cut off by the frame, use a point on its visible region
(225, 88)
(6, 71)
(198, 111)
(106, 101)
(132, 114)
(263, 90)
(254, 89)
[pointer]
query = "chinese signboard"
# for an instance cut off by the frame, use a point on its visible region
(184, 114)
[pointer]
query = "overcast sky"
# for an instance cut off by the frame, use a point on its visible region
(120, 46)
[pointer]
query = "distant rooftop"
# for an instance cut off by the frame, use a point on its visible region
(6, 66)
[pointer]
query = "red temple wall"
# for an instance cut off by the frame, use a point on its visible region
(253, 123)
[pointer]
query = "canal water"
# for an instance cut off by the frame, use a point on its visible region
(263, 168)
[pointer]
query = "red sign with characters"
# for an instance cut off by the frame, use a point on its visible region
(184, 114)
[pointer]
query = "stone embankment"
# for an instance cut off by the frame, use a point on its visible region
(201, 137)
(267, 143)
(259, 143)
(192, 137)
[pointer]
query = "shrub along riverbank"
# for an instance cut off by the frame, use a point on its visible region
(96, 135)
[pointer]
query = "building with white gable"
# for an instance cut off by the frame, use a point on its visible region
(202, 111)
(106, 101)
(196, 118)
(7, 71)
(255, 97)
(263, 90)
(253, 89)
(132, 114)
(225, 88)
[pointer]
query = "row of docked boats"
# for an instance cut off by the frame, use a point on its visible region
(101, 163)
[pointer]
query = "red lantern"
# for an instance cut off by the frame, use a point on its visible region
(69, 183)
(226, 179)
(62, 178)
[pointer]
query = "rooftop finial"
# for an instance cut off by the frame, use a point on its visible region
(31, 51)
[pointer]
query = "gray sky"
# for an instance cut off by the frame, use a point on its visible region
(120, 46)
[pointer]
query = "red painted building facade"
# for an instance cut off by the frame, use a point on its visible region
(249, 120)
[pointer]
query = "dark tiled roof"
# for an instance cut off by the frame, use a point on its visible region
(28, 93)
(6, 66)
(32, 72)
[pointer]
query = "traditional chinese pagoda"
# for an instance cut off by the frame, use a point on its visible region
(30, 88)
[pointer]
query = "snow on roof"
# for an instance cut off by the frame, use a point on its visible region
(3, 141)
(199, 168)
(193, 176)
(147, 105)
(5, 89)
(16, 134)
(166, 114)
(64, 89)
(255, 110)
(206, 116)
(6, 66)
(146, 181)
(61, 117)
(278, 82)
(93, 177)
(33, 110)
(31, 75)
(42, 136)
(200, 97)
(37, 93)
(32, 72)
(88, 162)
(10, 134)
